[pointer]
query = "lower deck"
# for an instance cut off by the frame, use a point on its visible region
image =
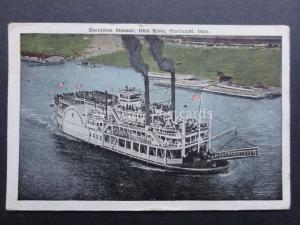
(132, 147)
(143, 151)
(159, 158)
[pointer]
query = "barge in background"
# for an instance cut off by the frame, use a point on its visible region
(222, 88)
(39, 59)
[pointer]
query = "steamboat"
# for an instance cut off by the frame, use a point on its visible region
(149, 133)
(129, 125)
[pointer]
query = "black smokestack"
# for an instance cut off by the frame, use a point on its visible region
(165, 64)
(134, 48)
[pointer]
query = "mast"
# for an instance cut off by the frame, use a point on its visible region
(105, 104)
(147, 99)
(200, 118)
(173, 94)
(66, 86)
(209, 134)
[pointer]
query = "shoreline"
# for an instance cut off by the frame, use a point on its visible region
(188, 81)
(191, 81)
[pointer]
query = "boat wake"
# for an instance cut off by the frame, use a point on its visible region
(44, 121)
(37, 119)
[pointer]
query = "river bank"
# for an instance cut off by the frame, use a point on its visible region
(189, 81)
(247, 67)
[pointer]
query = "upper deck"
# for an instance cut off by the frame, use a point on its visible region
(131, 102)
(81, 97)
(128, 106)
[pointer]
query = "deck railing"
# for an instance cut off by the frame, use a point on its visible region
(174, 161)
(236, 153)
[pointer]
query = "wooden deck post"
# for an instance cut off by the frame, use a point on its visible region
(147, 152)
(209, 134)
(183, 140)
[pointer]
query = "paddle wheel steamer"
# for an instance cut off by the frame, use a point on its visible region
(118, 123)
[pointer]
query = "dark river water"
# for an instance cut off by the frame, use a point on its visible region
(56, 167)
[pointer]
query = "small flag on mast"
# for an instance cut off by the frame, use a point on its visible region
(60, 85)
(196, 98)
(78, 86)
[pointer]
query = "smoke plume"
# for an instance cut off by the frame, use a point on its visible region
(134, 48)
(156, 50)
(165, 64)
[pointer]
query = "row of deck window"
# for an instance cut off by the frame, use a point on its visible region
(192, 138)
(95, 135)
(94, 123)
(153, 151)
(128, 131)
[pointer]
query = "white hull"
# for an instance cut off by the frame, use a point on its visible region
(119, 130)
(144, 158)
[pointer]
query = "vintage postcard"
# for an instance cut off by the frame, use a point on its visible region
(148, 117)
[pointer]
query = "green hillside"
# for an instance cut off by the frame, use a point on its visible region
(246, 66)
(66, 45)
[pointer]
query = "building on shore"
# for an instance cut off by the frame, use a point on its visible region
(225, 41)
(42, 58)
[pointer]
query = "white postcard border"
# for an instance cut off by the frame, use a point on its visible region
(14, 31)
